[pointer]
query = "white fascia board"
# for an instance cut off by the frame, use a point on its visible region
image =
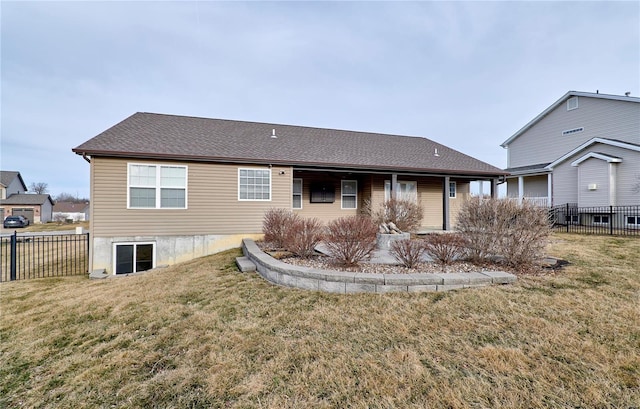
(610, 159)
(589, 143)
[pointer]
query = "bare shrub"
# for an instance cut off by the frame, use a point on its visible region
(351, 239)
(502, 227)
(476, 221)
(408, 252)
(405, 213)
(303, 235)
(445, 248)
(523, 234)
(275, 226)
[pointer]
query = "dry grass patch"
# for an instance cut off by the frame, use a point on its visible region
(203, 335)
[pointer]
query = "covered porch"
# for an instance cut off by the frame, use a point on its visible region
(531, 183)
(329, 194)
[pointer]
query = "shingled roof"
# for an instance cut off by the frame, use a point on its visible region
(26, 199)
(159, 136)
(7, 176)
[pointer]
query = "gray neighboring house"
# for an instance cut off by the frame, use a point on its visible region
(582, 151)
(14, 201)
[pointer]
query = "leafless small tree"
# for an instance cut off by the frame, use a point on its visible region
(39, 188)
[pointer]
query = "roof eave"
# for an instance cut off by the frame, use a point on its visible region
(324, 165)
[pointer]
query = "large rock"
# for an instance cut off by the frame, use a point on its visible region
(384, 240)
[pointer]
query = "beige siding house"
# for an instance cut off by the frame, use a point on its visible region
(584, 150)
(166, 188)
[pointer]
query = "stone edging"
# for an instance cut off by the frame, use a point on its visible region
(333, 281)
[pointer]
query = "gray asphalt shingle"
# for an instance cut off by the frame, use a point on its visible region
(190, 138)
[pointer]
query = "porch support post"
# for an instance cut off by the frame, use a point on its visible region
(549, 190)
(520, 189)
(494, 188)
(394, 186)
(481, 188)
(445, 204)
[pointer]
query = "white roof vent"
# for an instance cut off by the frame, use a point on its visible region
(273, 134)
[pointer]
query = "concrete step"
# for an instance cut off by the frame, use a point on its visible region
(245, 265)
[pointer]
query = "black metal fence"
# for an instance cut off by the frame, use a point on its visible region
(23, 257)
(612, 220)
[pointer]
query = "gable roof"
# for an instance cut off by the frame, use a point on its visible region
(592, 141)
(160, 136)
(26, 199)
(7, 176)
(561, 101)
(70, 207)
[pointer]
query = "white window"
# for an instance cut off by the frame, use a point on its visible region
(297, 194)
(601, 219)
(632, 222)
(133, 257)
(574, 219)
(349, 193)
(407, 190)
(157, 186)
(254, 184)
(572, 103)
(452, 190)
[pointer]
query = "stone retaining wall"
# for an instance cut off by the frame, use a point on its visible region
(332, 281)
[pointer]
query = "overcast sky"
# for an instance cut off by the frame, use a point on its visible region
(465, 74)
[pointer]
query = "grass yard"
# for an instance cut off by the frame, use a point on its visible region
(200, 334)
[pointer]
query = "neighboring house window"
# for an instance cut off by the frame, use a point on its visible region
(406, 190)
(452, 190)
(572, 103)
(157, 186)
(297, 193)
(601, 219)
(349, 194)
(254, 184)
(632, 222)
(133, 257)
(574, 219)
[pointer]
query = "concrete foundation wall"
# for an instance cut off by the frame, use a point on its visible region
(168, 249)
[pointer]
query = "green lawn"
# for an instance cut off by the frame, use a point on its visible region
(200, 334)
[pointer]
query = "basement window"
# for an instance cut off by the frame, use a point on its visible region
(600, 219)
(133, 257)
(632, 222)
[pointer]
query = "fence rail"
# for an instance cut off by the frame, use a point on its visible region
(35, 256)
(612, 220)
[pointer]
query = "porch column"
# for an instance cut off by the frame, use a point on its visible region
(394, 186)
(494, 188)
(481, 188)
(520, 189)
(549, 190)
(445, 204)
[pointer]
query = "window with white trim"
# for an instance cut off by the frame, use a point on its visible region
(452, 190)
(632, 222)
(600, 219)
(349, 194)
(254, 184)
(157, 186)
(572, 103)
(297, 194)
(407, 190)
(133, 257)
(574, 219)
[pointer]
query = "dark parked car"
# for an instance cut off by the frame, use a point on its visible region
(16, 221)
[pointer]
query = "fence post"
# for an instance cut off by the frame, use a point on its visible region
(88, 249)
(567, 217)
(610, 220)
(13, 256)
